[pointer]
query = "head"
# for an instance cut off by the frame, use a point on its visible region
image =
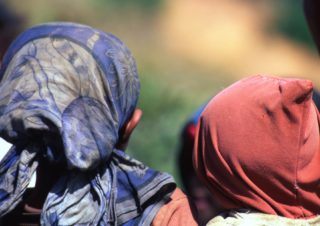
(257, 147)
(74, 83)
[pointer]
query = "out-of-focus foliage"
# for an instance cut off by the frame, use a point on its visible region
(291, 22)
(142, 4)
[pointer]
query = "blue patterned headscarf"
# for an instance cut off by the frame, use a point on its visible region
(73, 83)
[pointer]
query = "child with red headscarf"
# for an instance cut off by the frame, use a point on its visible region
(257, 149)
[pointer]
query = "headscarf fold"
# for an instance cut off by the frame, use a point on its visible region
(66, 91)
(257, 147)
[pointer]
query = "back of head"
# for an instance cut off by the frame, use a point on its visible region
(71, 81)
(257, 147)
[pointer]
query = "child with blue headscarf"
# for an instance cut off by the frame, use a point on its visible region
(68, 105)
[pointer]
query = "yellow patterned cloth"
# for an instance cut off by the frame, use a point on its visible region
(251, 218)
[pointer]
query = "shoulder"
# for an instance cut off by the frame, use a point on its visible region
(178, 211)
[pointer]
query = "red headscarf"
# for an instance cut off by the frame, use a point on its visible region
(257, 147)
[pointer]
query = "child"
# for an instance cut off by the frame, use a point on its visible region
(257, 149)
(68, 105)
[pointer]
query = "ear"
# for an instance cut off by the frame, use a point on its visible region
(128, 128)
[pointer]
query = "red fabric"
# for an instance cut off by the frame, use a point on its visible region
(257, 146)
(177, 212)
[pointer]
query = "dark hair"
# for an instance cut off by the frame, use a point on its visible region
(10, 27)
(311, 10)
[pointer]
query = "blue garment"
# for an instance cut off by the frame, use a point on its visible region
(71, 84)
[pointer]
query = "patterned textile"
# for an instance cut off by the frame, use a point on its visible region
(251, 218)
(66, 90)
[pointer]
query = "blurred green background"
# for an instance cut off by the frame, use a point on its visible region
(187, 51)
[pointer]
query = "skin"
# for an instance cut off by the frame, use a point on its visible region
(128, 128)
(48, 174)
